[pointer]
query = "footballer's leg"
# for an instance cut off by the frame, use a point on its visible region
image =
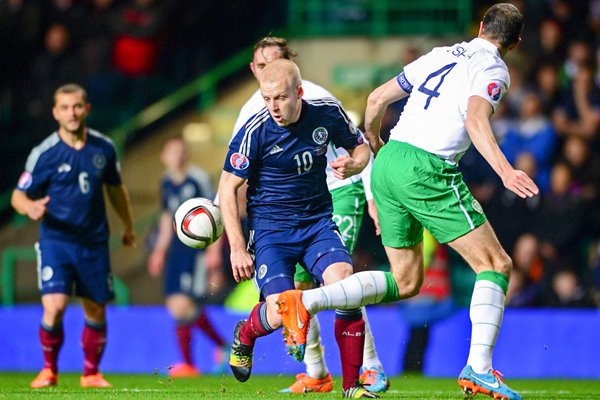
(55, 280)
(94, 286)
(348, 211)
(357, 290)
(481, 249)
(204, 323)
(51, 338)
(329, 261)
(372, 374)
(275, 255)
(182, 309)
(317, 377)
(263, 320)
(93, 341)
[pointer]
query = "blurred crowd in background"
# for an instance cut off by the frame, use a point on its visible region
(126, 53)
(548, 124)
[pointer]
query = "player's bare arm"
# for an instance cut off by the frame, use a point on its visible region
(347, 166)
(377, 103)
(119, 200)
(156, 261)
(480, 131)
(34, 209)
(242, 264)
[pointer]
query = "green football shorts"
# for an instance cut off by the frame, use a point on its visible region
(348, 209)
(414, 189)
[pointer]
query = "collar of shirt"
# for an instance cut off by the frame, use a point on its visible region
(486, 44)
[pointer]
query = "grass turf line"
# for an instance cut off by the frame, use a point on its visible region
(261, 387)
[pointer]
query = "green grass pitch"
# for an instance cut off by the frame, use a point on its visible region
(151, 387)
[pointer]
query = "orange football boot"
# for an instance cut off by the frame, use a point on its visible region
(94, 381)
(45, 378)
(296, 320)
(183, 370)
(306, 384)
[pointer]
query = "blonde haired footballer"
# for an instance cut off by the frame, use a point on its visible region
(349, 196)
(453, 92)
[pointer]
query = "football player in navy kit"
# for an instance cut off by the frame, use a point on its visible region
(281, 152)
(62, 186)
(184, 268)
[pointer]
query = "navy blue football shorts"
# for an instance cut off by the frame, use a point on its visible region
(62, 266)
(314, 246)
(185, 272)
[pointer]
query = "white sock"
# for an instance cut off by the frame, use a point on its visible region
(357, 290)
(313, 357)
(370, 358)
(487, 309)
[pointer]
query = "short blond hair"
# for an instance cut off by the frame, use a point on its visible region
(282, 69)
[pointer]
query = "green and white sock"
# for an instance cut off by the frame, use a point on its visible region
(357, 290)
(486, 312)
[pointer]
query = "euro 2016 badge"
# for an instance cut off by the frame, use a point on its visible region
(320, 135)
(25, 180)
(239, 161)
(495, 91)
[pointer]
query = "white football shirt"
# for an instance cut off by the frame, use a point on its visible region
(440, 84)
(312, 91)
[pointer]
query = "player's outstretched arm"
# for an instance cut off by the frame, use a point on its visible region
(242, 265)
(34, 209)
(119, 199)
(480, 131)
(377, 103)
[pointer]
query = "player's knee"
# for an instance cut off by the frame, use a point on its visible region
(181, 308)
(53, 315)
(336, 272)
(95, 313)
(408, 281)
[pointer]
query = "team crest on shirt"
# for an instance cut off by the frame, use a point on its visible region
(47, 273)
(99, 161)
(24, 180)
(494, 91)
(477, 206)
(239, 161)
(262, 271)
(320, 135)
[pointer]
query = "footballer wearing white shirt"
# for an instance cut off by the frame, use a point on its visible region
(349, 196)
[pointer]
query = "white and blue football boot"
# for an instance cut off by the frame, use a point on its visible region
(490, 383)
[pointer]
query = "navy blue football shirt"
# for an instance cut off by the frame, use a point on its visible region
(73, 179)
(285, 165)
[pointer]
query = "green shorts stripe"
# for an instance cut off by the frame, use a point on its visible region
(414, 189)
(460, 203)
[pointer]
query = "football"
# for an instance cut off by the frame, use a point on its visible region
(198, 222)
